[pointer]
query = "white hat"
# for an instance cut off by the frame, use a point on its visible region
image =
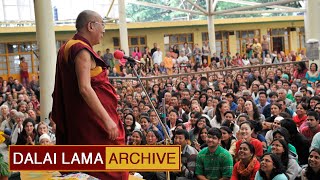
(279, 118)
(44, 136)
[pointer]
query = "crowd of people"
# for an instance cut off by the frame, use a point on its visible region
(253, 123)
(154, 62)
(20, 113)
(234, 124)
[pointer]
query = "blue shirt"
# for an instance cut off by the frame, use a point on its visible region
(277, 177)
(233, 107)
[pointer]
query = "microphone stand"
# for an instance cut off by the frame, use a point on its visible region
(167, 139)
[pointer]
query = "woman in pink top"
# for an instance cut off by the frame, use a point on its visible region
(136, 52)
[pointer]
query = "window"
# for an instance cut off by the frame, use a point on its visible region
(116, 43)
(25, 47)
(134, 41)
(137, 41)
(279, 39)
(3, 65)
(10, 54)
(242, 37)
(222, 41)
(179, 40)
(14, 64)
(2, 49)
(12, 48)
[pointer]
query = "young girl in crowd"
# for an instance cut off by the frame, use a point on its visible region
(195, 132)
(312, 171)
(222, 107)
(137, 138)
(240, 109)
(271, 168)
(246, 129)
(275, 125)
(252, 110)
(153, 137)
(202, 139)
(42, 128)
(248, 165)
(280, 148)
(230, 122)
(192, 120)
(28, 134)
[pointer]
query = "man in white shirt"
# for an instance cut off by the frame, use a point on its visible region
(182, 59)
(157, 57)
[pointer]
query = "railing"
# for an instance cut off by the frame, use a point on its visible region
(146, 79)
(208, 72)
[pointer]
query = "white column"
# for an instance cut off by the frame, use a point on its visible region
(123, 27)
(47, 49)
(211, 31)
(4, 11)
(312, 23)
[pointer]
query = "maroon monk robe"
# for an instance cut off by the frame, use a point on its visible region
(77, 124)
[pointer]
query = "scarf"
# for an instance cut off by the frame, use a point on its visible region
(245, 172)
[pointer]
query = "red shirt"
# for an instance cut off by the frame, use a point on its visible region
(308, 133)
(299, 121)
(252, 175)
(256, 144)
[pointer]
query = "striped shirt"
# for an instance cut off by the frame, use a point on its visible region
(188, 161)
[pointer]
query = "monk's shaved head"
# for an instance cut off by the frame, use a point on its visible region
(84, 17)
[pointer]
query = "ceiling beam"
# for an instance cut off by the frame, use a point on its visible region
(253, 7)
(164, 7)
(193, 6)
(198, 7)
(256, 3)
(264, 11)
(109, 10)
(215, 2)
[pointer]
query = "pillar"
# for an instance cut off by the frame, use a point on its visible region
(294, 46)
(233, 44)
(47, 48)
(211, 31)
(312, 23)
(123, 27)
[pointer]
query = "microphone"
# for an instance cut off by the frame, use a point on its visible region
(120, 55)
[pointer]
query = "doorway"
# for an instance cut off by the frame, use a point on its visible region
(278, 44)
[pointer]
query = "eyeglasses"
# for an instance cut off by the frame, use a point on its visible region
(102, 24)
